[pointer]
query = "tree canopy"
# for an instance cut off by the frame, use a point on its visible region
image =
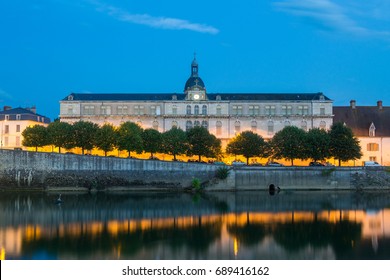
(248, 144)
(202, 143)
(106, 138)
(344, 145)
(130, 137)
(289, 143)
(84, 134)
(317, 144)
(152, 141)
(35, 136)
(61, 135)
(174, 142)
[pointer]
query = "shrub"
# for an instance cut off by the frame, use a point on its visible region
(196, 184)
(222, 173)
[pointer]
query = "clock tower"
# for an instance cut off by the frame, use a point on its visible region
(194, 88)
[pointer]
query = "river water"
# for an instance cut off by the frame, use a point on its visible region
(231, 225)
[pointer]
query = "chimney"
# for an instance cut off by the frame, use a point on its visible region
(6, 108)
(353, 104)
(379, 104)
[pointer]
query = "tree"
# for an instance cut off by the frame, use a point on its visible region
(344, 145)
(61, 135)
(35, 136)
(174, 142)
(248, 144)
(106, 138)
(202, 143)
(152, 141)
(317, 144)
(84, 134)
(289, 143)
(130, 137)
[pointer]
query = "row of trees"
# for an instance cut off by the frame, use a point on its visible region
(290, 143)
(128, 137)
(294, 143)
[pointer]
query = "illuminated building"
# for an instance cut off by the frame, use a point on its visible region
(14, 121)
(223, 114)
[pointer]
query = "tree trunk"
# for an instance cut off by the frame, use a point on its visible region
(247, 161)
(292, 162)
(339, 162)
(174, 157)
(200, 158)
(82, 151)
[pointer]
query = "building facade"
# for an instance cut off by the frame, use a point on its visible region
(14, 121)
(223, 114)
(371, 125)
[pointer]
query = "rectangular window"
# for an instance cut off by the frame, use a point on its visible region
(89, 110)
(251, 110)
(219, 110)
(372, 147)
(234, 110)
(18, 128)
(289, 110)
(174, 110)
(105, 110)
(372, 158)
(70, 110)
(139, 109)
(305, 110)
(270, 129)
(153, 110)
(122, 110)
(6, 141)
(6, 129)
(17, 142)
(322, 111)
(239, 110)
(284, 110)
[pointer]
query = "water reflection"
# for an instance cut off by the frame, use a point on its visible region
(248, 225)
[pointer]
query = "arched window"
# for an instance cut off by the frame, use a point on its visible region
(254, 126)
(219, 128)
(323, 125)
(155, 125)
(287, 123)
(188, 111)
(237, 127)
(204, 110)
(304, 125)
(188, 125)
(205, 124)
(196, 110)
(174, 124)
(196, 123)
(270, 128)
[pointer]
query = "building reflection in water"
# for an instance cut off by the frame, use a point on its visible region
(154, 232)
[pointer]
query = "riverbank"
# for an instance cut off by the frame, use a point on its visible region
(53, 171)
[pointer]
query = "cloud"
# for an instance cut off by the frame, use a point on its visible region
(152, 21)
(5, 95)
(328, 14)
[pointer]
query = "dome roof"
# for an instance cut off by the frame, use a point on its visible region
(194, 82)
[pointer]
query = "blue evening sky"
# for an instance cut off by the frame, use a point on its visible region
(50, 48)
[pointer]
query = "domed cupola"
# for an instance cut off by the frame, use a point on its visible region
(194, 85)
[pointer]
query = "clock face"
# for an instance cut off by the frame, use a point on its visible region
(196, 96)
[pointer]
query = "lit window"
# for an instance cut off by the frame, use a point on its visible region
(237, 127)
(372, 147)
(17, 128)
(105, 110)
(6, 129)
(155, 125)
(174, 124)
(322, 125)
(270, 127)
(219, 127)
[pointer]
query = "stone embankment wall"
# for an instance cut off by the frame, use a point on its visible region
(52, 170)
(21, 169)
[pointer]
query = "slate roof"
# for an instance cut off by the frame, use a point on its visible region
(25, 114)
(181, 96)
(360, 119)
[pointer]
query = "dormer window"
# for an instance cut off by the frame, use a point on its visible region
(371, 131)
(218, 98)
(70, 97)
(174, 97)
